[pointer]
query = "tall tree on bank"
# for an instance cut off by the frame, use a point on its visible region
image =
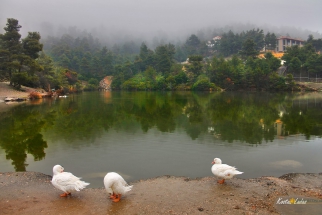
(249, 49)
(31, 48)
(10, 48)
(193, 46)
(317, 43)
(19, 57)
(257, 36)
(47, 78)
(270, 41)
(164, 58)
(146, 58)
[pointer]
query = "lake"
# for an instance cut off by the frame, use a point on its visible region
(148, 134)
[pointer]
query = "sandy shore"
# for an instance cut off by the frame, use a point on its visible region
(8, 91)
(32, 193)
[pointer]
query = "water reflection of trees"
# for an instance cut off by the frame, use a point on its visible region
(304, 121)
(20, 132)
(245, 117)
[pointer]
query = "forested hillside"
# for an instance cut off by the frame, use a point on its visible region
(75, 63)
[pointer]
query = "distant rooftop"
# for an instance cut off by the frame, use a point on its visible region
(217, 38)
(290, 38)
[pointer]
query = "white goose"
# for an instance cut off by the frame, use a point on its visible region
(116, 186)
(223, 171)
(66, 181)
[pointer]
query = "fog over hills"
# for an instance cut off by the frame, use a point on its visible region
(114, 21)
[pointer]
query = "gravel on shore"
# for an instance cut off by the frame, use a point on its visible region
(32, 193)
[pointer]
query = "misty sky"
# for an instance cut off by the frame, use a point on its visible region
(144, 16)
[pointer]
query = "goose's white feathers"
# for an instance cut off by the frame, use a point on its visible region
(223, 171)
(115, 184)
(66, 181)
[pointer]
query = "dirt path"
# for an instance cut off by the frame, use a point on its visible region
(32, 193)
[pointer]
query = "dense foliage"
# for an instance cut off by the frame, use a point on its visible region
(18, 57)
(231, 63)
(305, 61)
(22, 62)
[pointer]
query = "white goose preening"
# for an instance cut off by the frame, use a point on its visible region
(66, 181)
(116, 186)
(223, 171)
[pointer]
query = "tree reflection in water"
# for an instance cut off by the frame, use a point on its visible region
(20, 132)
(246, 117)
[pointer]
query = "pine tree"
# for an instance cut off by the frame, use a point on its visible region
(10, 48)
(18, 58)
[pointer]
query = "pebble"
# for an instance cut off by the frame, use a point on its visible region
(200, 209)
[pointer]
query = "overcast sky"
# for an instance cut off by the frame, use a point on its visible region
(143, 16)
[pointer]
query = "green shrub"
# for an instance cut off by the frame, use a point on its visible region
(93, 81)
(204, 84)
(90, 87)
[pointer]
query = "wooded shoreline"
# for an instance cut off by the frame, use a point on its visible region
(9, 93)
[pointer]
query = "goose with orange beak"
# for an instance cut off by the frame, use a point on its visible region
(223, 171)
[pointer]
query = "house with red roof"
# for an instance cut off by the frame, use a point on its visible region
(283, 42)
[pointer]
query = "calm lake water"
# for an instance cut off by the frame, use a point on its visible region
(148, 134)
